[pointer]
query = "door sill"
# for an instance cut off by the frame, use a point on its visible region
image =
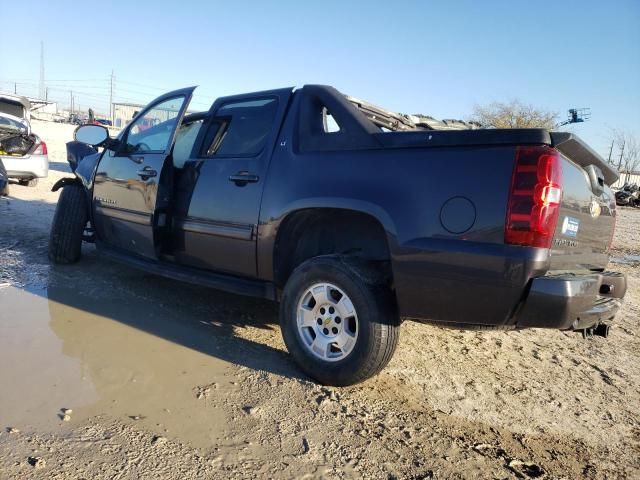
(219, 281)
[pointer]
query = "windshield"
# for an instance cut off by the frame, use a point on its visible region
(152, 131)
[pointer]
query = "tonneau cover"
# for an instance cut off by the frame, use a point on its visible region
(567, 143)
(453, 138)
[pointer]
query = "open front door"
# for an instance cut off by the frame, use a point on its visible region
(128, 180)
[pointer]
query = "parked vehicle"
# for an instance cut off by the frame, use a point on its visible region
(629, 195)
(76, 119)
(347, 215)
(103, 121)
(23, 153)
(4, 181)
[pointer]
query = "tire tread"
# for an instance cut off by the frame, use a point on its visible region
(65, 241)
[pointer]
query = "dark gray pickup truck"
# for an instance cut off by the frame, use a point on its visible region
(351, 217)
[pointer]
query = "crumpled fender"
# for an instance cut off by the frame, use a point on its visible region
(65, 181)
(83, 160)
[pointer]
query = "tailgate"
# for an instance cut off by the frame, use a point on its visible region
(587, 212)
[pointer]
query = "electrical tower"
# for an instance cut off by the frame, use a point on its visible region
(42, 91)
(576, 115)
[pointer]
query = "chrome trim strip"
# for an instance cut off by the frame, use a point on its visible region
(218, 229)
(126, 215)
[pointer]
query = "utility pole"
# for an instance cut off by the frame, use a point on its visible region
(111, 98)
(15, 88)
(610, 152)
(46, 94)
(71, 101)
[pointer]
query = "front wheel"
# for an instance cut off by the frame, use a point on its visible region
(340, 329)
(65, 240)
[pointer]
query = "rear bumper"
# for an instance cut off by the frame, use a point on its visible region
(31, 166)
(572, 301)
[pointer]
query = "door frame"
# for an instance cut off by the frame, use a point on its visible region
(141, 221)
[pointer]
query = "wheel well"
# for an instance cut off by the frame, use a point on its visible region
(312, 232)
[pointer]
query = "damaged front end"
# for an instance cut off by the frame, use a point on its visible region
(83, 160)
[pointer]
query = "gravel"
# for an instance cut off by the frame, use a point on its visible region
(451, 404)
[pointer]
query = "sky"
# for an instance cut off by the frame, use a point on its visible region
(435, 58)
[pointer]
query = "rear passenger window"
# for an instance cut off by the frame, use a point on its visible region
(243, 128)
(328, 122)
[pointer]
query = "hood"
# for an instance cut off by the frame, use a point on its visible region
(15, 124)
(16, 106)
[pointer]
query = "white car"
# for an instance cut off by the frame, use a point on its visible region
(23, 153)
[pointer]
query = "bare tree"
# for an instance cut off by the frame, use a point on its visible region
(627, 160)
(513, 114)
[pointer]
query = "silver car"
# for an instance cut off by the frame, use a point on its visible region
(23, 153)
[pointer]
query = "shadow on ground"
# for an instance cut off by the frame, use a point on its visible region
(198, 318)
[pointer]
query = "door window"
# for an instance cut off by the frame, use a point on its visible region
(153, 130)
(241, 128)
(185, 138)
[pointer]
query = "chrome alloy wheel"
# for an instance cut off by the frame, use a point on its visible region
(327, 322)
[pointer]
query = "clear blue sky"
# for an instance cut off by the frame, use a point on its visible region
(437, 58)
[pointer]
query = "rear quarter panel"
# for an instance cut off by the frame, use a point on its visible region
(467, 276)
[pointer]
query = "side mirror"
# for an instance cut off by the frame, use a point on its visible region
(94, 135)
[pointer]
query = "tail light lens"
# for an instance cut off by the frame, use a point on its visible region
(41, 149)
(534, 198)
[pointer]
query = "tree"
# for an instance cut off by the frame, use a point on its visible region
(513, 114)
(628, 159)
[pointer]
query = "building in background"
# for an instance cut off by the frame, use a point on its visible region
(124, 112)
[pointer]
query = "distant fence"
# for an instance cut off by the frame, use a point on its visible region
(627, 178)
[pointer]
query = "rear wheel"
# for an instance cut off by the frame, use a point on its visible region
(340, 329)
(68, 224)
(32, 182)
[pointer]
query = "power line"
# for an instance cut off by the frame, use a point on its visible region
(111, 99)
(96, 90)
(142, 85)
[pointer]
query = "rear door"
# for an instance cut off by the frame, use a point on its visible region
(128, 187)
(216, 227)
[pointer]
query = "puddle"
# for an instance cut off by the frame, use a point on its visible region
(627, 259)
(61, 348)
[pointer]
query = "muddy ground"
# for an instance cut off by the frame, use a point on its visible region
(110, 373)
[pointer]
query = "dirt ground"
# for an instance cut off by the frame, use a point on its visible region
(110, 373)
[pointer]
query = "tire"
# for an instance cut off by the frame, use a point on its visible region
(68, 224)
(377, 324)
(32, 182)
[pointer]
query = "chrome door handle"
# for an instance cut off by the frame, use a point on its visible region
(146, 173)
(242, 178)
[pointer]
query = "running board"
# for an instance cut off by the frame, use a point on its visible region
(219, 281)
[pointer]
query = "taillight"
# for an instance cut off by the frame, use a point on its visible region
(534, 198)
(41, 149)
